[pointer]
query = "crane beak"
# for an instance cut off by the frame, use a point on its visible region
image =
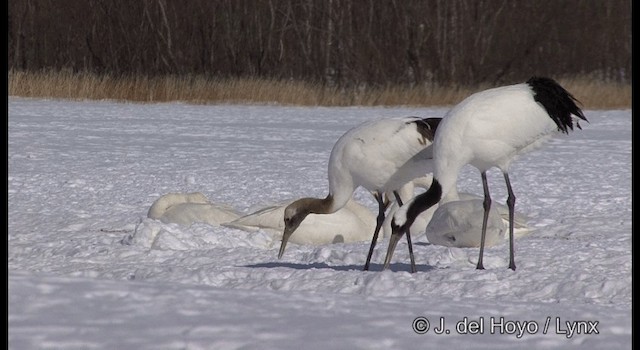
(396, 234)
(285, 237)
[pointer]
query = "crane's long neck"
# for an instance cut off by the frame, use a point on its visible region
(323, 206)
(447, 177)
(340, 191)
(423, 202)
(309, 205)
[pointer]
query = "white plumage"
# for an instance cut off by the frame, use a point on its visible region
(381, 156)
(490, 129)
(187, 208)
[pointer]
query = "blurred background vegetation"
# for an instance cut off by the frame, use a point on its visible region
(329, 44)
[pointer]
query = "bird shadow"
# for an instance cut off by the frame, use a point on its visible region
(396, 267)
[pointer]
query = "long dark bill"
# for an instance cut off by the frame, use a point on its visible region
(418, 205)
(396, 234)
(285, 238)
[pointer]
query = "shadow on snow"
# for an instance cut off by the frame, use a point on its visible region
(396, 267)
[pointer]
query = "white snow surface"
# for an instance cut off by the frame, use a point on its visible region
(83, 174)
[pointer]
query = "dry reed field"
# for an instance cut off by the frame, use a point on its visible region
(593, 94)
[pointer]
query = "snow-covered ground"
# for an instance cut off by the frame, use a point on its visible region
(82, 176)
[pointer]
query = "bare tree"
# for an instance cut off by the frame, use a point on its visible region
(345, 43)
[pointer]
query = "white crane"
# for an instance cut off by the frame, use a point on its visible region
(490, 129)
(381, 156)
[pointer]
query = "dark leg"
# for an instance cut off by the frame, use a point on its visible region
(413, 260)
(511, 203)
(487, 206)
(411, 257)
(381, 209)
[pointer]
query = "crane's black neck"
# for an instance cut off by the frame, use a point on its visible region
(423, 202)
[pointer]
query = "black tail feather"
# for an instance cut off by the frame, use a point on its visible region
(427, 127)
(557, 101)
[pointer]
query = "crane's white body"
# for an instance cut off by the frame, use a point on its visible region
(489, 129)
(380, 155)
